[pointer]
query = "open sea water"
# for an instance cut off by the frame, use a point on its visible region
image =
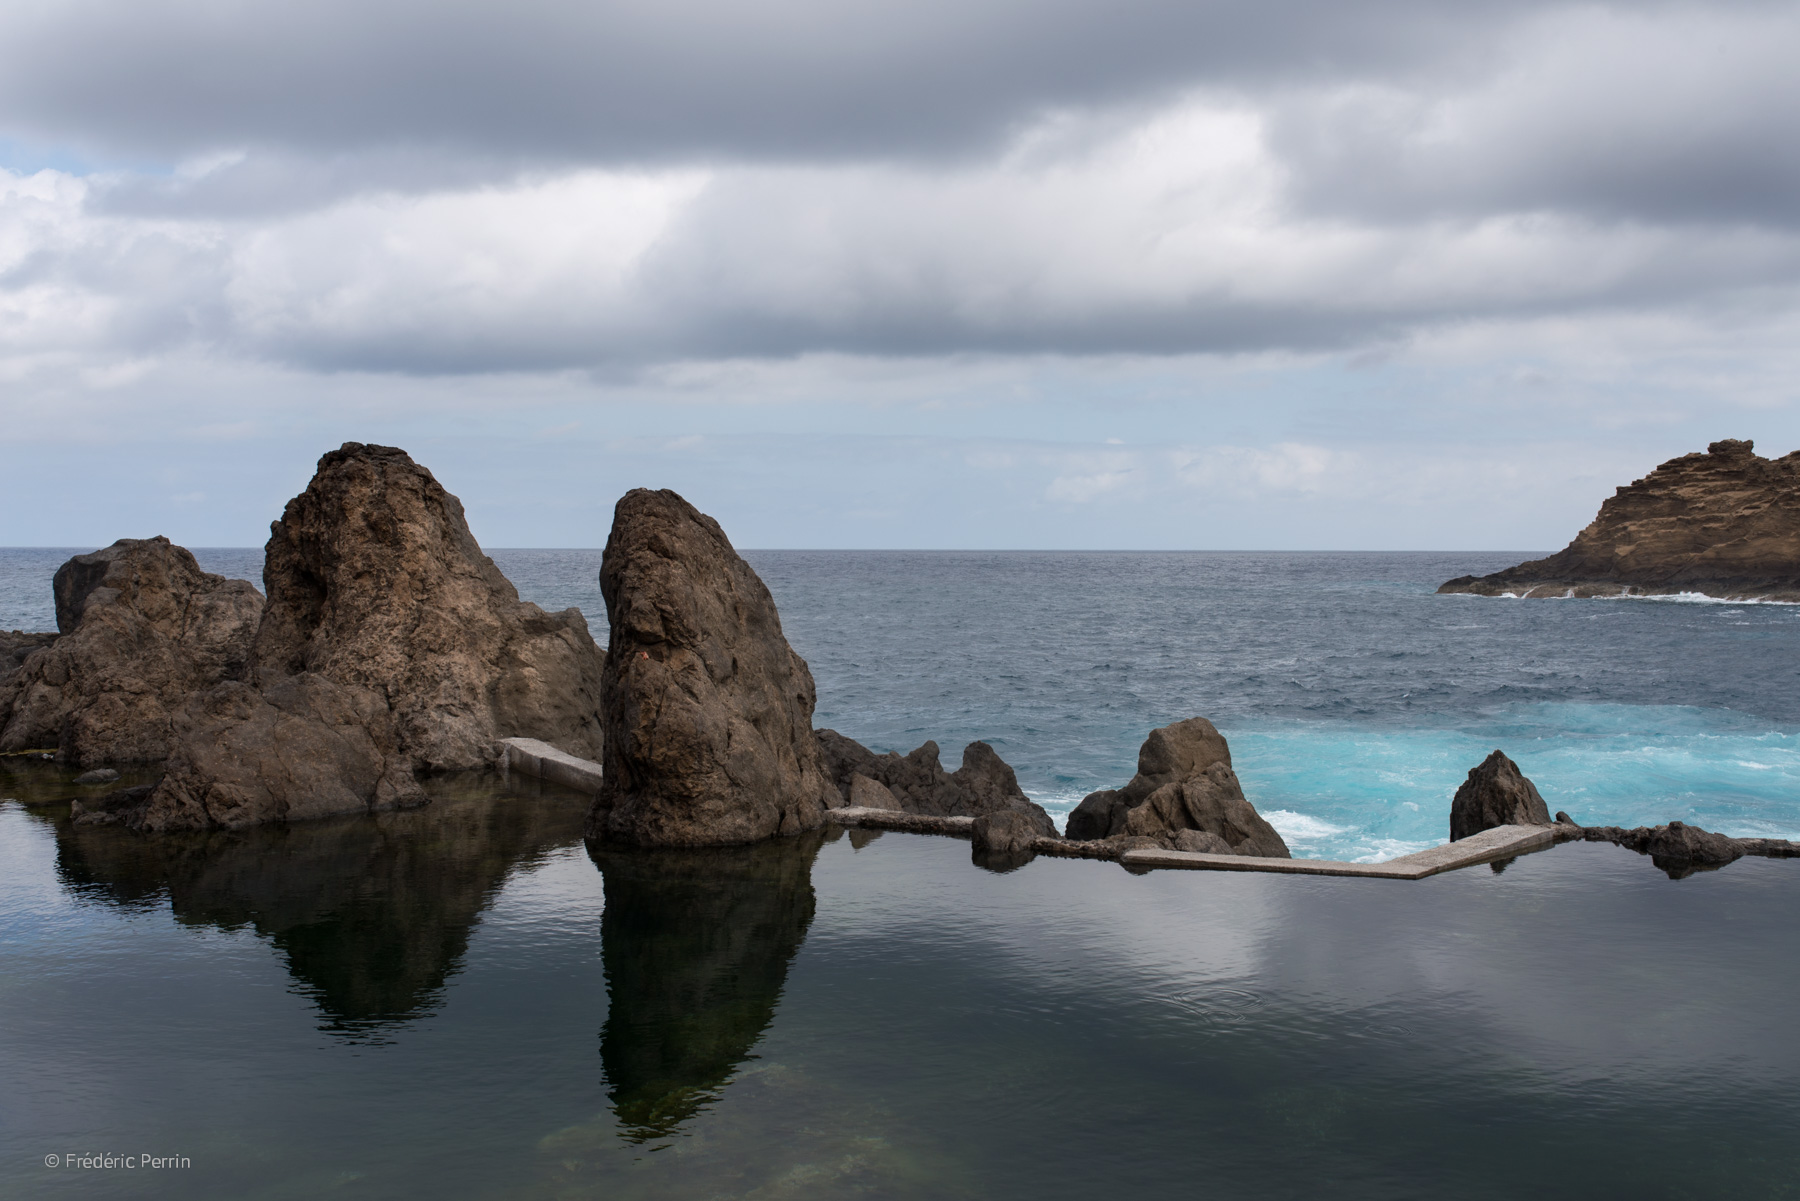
(467, 1002)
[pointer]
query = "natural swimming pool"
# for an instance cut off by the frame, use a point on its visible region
(465, 1001)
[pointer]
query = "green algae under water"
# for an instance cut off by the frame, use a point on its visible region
(467, 1002)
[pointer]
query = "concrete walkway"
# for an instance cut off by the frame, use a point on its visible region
(1502, 842)
(530, 757)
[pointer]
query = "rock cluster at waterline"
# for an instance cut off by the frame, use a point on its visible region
(918, 783)
(1185, 797)
(708, 710)
(389, 644)
(375, 582)
(141, 628)
(1725, 523)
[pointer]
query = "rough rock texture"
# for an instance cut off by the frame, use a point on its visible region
(142, 628)
(375, 582)
(1495, 794)
(1725, 523)
(1681, 850)
(15, 647)
(918, 783)
(306, 747)
(1184, 783)
(708, 709)
(1005, 830)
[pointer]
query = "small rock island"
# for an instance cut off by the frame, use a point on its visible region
(1725, 524)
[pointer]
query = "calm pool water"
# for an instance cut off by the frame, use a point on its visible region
(467, 1002)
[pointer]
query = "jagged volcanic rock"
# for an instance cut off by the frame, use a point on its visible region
(918, 783)
(1725, 523)
(389, 644)
(305, 747)
(375, 582)
(1495, 794)
(1184, 783)
(1680, 849)
(708, 710)
(142, 628)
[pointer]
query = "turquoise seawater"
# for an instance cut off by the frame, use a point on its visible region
(1355, 698)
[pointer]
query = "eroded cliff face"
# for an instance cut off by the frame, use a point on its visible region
(1725, 523)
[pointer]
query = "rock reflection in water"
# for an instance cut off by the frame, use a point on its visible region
(371, 913)
(695, 945)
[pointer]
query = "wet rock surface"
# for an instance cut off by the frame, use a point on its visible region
(1679, 849)
(918, 783)
(141, 629)
(1184, 789)
(1495, 794)
(1725, 523)
(375, 582)
(708, 710)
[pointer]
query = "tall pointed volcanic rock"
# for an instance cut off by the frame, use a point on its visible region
(374, 581)
(708, 710)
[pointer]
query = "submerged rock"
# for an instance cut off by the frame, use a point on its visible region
(1495, 794)
(375, 582)
(708, 709)
(918, 783)
(1184, 791)
(1725, 523)
(142, 628)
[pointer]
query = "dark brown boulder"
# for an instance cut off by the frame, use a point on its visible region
(1496, 794)
(142, 628)
(1680, 850)
(375, 582)
(1184, 783)
(1006, 830)
(918, 783)
(708, 710)
(1725, 523)
(305, 747)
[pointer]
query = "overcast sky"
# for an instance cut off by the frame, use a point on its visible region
(1147, 273)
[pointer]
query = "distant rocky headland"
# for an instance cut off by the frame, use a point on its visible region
(1725, 524)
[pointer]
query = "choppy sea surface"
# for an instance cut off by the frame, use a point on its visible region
(1355, 699)
(468, 1002)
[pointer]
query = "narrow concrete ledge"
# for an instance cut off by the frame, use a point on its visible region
(530, 757)
(899, 819)
(1502, 842)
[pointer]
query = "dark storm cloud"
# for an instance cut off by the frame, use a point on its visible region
(448, 187)
(651, 80)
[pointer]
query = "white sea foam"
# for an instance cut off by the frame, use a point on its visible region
(1383, 849)
(1301, 828)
